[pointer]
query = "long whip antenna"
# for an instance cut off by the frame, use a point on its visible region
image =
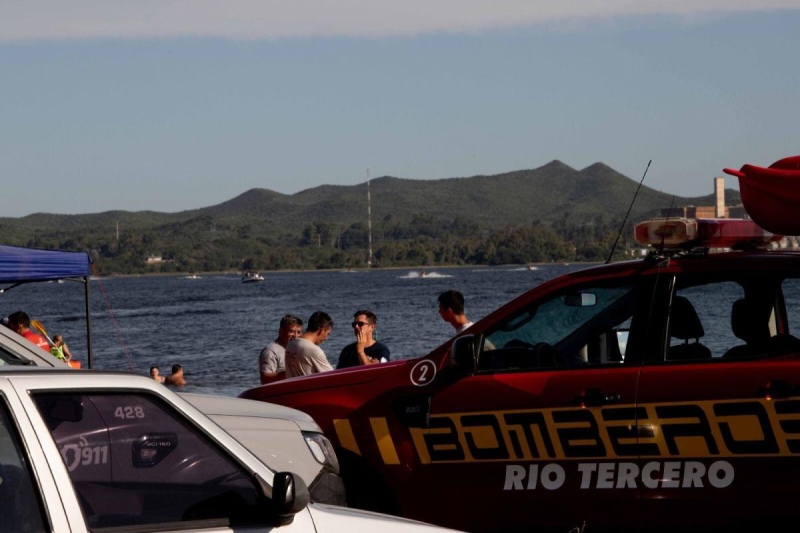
(625, 220)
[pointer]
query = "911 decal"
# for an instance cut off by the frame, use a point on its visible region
(81, 454)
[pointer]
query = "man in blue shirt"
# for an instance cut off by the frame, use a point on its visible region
(366, 350)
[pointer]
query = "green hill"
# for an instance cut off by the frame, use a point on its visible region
(326, 226)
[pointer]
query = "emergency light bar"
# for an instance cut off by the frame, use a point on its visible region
(688, 233)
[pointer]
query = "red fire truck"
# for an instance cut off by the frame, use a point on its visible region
(660, 395)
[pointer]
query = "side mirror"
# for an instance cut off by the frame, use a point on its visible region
(464, 354)
(580, 299)
(289, 497)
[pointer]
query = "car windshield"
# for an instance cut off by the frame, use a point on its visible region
(574, 324)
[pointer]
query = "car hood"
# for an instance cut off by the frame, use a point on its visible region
(333, 519)
(345, 377)
(223, 406)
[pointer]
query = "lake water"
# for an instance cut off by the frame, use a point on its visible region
(215, 326)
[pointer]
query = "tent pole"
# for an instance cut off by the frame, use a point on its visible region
(88, 321)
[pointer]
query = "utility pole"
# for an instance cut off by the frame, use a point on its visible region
(369, 222)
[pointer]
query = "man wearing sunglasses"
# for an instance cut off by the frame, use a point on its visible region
(366, 350)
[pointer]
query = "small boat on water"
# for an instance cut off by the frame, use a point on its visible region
(192, 276)
(250, 277)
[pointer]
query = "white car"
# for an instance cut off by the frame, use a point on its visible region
(17, 350)
(92, 451)
(285, 439)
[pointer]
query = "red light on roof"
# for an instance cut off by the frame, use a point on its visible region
(667, 232)
(687, 233)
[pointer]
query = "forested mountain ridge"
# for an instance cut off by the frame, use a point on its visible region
(414, 222)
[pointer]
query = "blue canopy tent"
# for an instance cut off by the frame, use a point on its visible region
(26, 265)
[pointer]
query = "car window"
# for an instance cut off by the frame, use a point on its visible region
(20, 504)
(573, 329)
(134, 461)
(791, 295)
(749, 316)
(710, 325)
(9, 358)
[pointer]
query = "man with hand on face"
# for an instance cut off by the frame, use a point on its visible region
(366, 350)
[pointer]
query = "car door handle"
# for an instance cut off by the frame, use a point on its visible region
(777, 389)
(595, 397)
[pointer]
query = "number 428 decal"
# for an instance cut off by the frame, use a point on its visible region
(129, 411)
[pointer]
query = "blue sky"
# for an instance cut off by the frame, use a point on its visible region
(174, 105)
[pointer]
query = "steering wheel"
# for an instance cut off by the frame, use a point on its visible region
(548, 356)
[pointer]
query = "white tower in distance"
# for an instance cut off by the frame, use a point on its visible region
(369, 222)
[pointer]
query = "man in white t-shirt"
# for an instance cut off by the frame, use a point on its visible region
(303, 354)
(451, 309)
(271, 361)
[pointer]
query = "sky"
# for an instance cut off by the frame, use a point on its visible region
(170, 105)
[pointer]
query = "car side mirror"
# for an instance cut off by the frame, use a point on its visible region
(464, 353)
(580, 299)
(289, 497)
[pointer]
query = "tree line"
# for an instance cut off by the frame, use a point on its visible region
(424, 241)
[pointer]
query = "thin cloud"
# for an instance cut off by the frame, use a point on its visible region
(45, 20)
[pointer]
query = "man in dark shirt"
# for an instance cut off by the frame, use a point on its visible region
(366, 350)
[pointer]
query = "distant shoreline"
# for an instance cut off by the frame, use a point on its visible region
(412, 268)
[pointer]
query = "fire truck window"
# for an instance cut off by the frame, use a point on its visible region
(749, 316)
(791, 297)
(712, 303)
(20, 504)
(582, 327)
(135, 461)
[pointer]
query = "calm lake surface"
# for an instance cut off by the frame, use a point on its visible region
(215, 326)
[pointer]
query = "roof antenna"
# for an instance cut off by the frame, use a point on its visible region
(628, 213)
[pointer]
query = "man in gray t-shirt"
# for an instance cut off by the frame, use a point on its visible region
(271, 362)
(303, 354)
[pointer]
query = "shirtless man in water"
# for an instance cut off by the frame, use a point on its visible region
(176, 378)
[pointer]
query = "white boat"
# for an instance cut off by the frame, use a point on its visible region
(250, 277)
(192, 276)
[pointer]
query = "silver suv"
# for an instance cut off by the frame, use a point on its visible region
(100, 451)
(281, 437)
